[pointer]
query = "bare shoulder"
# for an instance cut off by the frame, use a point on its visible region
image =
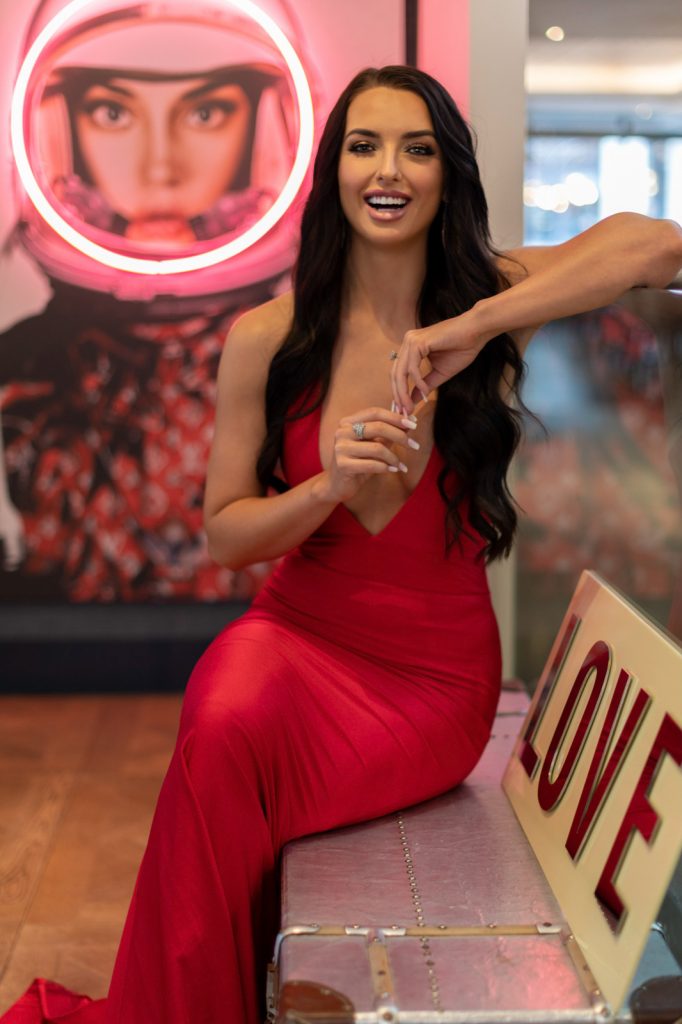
(251, 343)
(261, 330)
(240, 425)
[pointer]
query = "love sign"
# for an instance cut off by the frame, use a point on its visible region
(596, 777)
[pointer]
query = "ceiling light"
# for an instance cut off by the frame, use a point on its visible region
(555, 33)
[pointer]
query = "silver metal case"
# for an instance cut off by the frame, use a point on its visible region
(439, 913)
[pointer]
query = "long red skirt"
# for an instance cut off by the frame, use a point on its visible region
(363, 679)
(279, 737)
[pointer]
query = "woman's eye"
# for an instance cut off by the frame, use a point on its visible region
(109, 114)
(361, 147)
(210, 115)
(420, 149)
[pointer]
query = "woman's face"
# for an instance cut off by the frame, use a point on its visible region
(391, 169)
(161, 153)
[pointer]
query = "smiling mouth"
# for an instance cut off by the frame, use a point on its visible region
(379, 202)
(386, 207)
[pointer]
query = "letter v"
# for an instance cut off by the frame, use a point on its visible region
(598, 781)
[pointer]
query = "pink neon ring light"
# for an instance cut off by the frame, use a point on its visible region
(176, 265)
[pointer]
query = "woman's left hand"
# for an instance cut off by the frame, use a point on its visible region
(449, 347)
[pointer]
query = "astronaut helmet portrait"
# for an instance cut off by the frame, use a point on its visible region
(156, 130)
(163, 161)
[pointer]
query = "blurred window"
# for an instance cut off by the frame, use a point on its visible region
(572, 181)
(598, 490)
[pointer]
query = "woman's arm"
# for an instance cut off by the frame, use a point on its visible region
(589, 271)
(626, 250)
(242, 524)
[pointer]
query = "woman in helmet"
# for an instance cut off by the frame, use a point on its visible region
(153, 137)
(163, 160)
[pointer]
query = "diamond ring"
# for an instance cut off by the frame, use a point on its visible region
(359, 430)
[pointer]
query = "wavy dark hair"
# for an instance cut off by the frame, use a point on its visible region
(475, 429)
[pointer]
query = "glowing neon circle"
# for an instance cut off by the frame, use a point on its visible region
(181, 264)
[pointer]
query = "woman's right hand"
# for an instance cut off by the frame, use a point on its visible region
(244, 525)
(355, 459)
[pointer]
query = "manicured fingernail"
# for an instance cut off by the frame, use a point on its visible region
(393, 469)
(409, 422)
(394, 407)
(402, 467)
(425, 397)
(413, 444)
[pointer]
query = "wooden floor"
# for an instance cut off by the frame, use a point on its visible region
(79, 778)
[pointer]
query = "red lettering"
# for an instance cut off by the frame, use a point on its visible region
(597, 660)
(640, 816)
(527, 754)
(599, 779)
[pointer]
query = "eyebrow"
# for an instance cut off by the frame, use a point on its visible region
(106, 83)
(376, 135)
(191, 94)
(208, 87)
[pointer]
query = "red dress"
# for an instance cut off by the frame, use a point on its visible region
(363, 678)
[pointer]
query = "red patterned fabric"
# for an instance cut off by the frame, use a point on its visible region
(107, 464)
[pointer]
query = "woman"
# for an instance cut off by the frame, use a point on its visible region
(154, 134)
(365, 676)
(163, 160)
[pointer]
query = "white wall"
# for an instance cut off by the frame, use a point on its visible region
(498, 43)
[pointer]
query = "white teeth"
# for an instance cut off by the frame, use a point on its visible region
(386, 201)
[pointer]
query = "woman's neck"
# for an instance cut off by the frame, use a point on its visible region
(385, 284)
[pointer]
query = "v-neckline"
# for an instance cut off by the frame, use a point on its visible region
(342, 505)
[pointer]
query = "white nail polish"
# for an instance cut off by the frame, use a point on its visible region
(393, 469)
(409, 423)
(413, 444)
(402, 467)
(424, 396)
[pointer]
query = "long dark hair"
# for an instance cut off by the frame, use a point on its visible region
(475, 429)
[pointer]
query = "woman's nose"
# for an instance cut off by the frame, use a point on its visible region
(161, 164)
(389, 168)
